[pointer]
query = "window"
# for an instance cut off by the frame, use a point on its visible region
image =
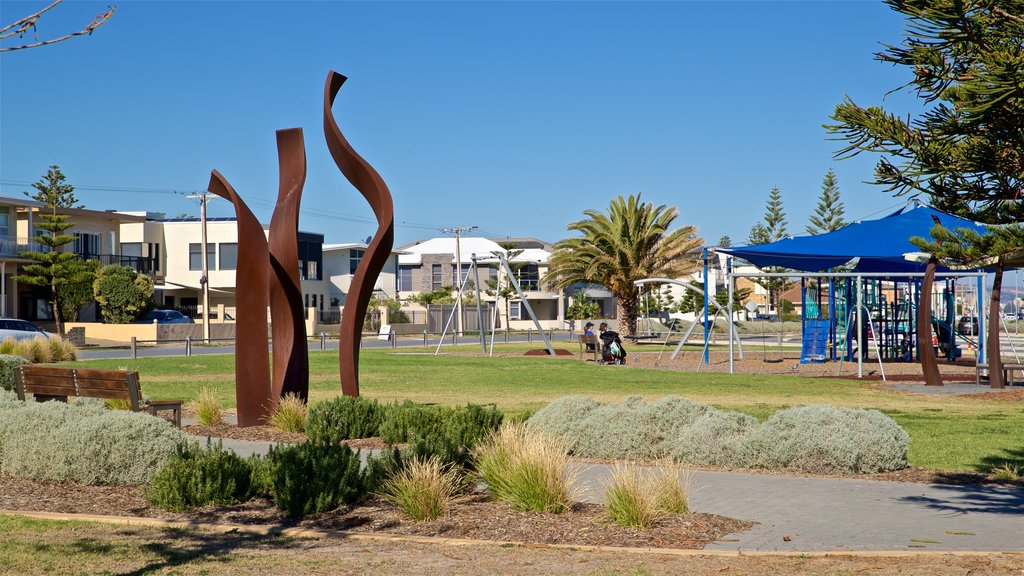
(131, 249)
(515, 311)
(228, 256)
(155, 254)
(354, 258)
(5, 221)
(311, 270)
(194, 257)
(435, 276)
(87, 244)
(405, 278)
(529, 277)
(457, 281)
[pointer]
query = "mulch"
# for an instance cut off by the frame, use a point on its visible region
(472, 517)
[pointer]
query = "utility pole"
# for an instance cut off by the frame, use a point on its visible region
(204, 280)
(458, 230)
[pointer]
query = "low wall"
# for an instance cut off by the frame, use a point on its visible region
(115, 332)
(183, 331)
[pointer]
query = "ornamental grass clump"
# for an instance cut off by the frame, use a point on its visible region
(208, 409)
(38, 351)
(827, 439)
(289, 415)
(423, 489)
(527, 469)
(637, 497)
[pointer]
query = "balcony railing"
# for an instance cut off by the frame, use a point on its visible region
(141, 264)
(12, 246)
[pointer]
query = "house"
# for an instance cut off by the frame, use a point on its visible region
(340, 263)
(432, 264)
(177, 246)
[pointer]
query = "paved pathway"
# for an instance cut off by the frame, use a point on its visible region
(837, 513)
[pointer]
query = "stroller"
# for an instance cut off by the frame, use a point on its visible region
(612, 351)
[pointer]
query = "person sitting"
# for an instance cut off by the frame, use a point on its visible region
(612, 351)
(588, 330)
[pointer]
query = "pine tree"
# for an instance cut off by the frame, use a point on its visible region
(775, 216)
(828, 215)
(54, 268)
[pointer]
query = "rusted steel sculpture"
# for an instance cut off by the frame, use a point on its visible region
(369, 183)
(252, 365)
(288, 326)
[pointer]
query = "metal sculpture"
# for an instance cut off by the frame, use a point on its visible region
(369, 183)
(252, 365)
(288, 326)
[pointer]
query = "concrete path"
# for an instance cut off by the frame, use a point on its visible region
(818, 514)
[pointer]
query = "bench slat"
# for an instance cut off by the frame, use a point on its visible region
(36, 369)
(107, 394)
(51, 390)
(33, 379)
(103, 374)
(121, 384)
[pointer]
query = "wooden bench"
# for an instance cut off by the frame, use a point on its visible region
(1008, 369)
(590, 343)
(56, 383)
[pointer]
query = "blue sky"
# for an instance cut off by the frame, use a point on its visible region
(511, 116)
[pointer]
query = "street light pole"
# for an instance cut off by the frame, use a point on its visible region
(458, 230)
(204, 280)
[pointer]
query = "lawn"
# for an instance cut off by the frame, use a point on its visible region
(948, 433)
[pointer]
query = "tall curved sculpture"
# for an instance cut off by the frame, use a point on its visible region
(288, 326)
(252, 365)
(369, 183)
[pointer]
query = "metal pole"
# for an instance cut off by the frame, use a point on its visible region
(982, 345)
(860, 327)
(188, 346)
(479, 313)
(728, 279)
(707, 330)
(458, 275)
(205, 280)
(323, 341)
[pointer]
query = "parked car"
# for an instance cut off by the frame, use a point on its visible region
(164, 317)
(20, 329)
(967, 325)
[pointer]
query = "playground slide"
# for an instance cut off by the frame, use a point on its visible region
(942, 331)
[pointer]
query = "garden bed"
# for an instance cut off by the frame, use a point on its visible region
(475, 517)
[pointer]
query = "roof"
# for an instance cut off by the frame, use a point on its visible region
(352, 246)
(481, 247)
(872, 246)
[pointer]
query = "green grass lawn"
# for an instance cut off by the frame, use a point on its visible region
(948, 433)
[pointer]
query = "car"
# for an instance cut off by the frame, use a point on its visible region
(164, 317)
(20, 329)
(967, 325)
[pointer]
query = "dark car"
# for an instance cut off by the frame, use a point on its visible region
(967, 325)
(164, 317)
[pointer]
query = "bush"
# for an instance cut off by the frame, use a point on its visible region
(827, 439)
(714, 439)
(563, 418)
(423, 489)
(469, 425)
(8, 367)
(83, 442)
(38, 351)
(312, 478)
(405, 421)
(122, 293)
(343, 418)
(527, 469)
(208, 408)
(289, 415)
(197, 477)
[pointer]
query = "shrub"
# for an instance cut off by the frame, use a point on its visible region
(83, 442)
(469, 425)
(527, 469)
(122, 293)
(405, 421)
(342, 418)
(208, 409)
(563, 417)
(627, 430)
(289, 415)
(713, 439)
(827, 439)
(423, 489)
(197, 477)
(312, 478)
(8, 366)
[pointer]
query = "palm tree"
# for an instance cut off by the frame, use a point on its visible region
(632, 241)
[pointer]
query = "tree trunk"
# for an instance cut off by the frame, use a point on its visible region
(995, 358)
(929, 363)
(54, 301)
(626, 312)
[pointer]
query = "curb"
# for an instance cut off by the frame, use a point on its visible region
(269, 529)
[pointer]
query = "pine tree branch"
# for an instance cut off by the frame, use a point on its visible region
(30, 22)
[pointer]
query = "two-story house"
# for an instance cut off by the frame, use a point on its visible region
(340, 263)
